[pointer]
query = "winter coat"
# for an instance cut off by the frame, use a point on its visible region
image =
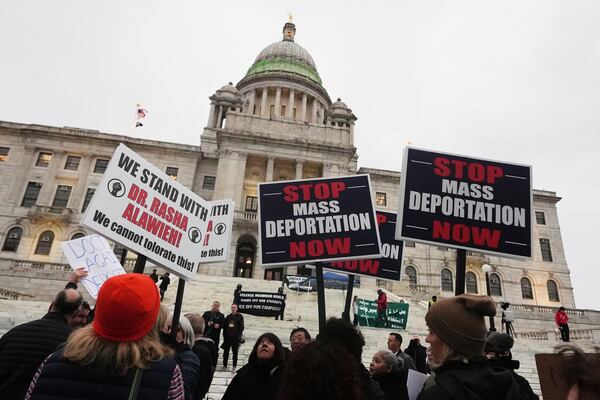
(382, 302)
(234, 328)
(370, 387)
(188, 363)
(24, 348)
(473, 381)
(510, 365)
(62, 379)
(164, 282)
(419, 355)
(394, 383)
(561, 318)
(404, 360)
(206, 351)
(211, 331)
(255, 382)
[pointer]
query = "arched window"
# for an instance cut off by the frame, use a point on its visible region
(495, 285)
(44, 243)
(447, 284)
(78, 235)
(411, 272)
(526, 290)
(552, 291)
(471, 281)
(13, 238)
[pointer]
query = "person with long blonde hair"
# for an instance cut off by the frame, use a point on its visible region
(118, 356)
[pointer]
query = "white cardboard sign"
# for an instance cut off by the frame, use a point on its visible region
(96, 256)
(145, 210)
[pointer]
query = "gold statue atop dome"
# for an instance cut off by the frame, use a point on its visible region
(290, 17)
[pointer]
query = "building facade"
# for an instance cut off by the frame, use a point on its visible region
(277, 123)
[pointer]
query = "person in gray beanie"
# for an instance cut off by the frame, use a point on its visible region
(457, 337)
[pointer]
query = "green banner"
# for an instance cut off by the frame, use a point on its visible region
(397, 315)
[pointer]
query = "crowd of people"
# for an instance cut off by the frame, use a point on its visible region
(126, 348)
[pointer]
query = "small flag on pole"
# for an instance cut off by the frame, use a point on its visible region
(141, 113)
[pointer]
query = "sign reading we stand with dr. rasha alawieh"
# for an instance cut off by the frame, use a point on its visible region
(145, 210)
(317, 220)
(465, 202)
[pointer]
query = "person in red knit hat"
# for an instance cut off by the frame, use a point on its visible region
(119, 355)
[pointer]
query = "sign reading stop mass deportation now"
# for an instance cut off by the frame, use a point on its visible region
(467, 203)
(389, 266)
(315, 220)
(145, 210)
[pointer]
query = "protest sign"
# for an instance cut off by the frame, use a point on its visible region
(95, 255)
(415, 383)
(397, 314)
(389, 266)
(145, 210)
(317, 220)
(261, 304)
(466, 203)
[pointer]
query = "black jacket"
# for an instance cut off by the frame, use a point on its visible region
(234, 328)
(473, 381)
(164, 282)
(24, 348)
(188, 363)
(255, 382)
(510, 365)
(394, 383)
(370, 387)
(215, 318)
(206, 351)
(419, 355)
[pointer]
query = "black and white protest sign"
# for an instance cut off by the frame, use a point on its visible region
(261, 304)
(317, 220)
(142, 208)
(389, 266)
(467, 203)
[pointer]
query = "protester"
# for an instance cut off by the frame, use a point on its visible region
(341, 334)
(392, 378)
(206, 351)
(236, 294)
(497, 351)
(355, 310)
(24, 347)
(154, 276)
(579, 372)
(457, 336)
(164, 284)
(75, 276)
(114, 357)
(282, 312)
(214, 321)
(418, 353)
(232, 335)
(299, 338)
(321, 371)
(382, 307)
(432, 302)
(261, 377)
(81, 318)
(562, 321)
(508, 318)
(394, 344)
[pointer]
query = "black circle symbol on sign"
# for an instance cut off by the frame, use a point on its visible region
(116, 187)
(220, 228)
(194, 234)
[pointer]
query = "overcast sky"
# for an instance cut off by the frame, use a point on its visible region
(513, 80)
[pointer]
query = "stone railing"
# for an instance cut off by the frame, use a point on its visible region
(11, 295)
(48, 212)
(247, 215)
(418, 292)
(41, 266)
(574, 334)
(528, 308)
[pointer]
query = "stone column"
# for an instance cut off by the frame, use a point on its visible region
(252, 102)
(290, 109)
(277, 112)
(219, 117)
(49, 185)
(211, 116)
(270, 166)
(20, 179)
(230, 176)
(303, 109)
(242, 158)
(314, 111)
(299, 164)
(263, 103)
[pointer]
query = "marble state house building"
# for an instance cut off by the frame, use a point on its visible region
(277, 123)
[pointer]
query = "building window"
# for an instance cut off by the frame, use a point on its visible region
(495, 285)
(31, 194)
(209, 183)
(380, 199)
(546, 250)
(294, 112)
(447, 283)
(552, 291)
(88, 197)
(526, 290)
(172, 172)
(3, 153)
(540, 218)
(283, 111)
(61, 198)
(44, 243)
(411, 272)
(72, 163)
(409, 244)
(78, 235)
(100, 166)
(471, 282)
(272, 110)
(251, 203)
(43, 159)
(13, 238)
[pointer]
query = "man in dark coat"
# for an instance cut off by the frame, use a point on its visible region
(206, 351)
(213, 324)
(164, 284)
(394, 344)
(154, 276)
(25, 347)
(418, 352)
(232, 334)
